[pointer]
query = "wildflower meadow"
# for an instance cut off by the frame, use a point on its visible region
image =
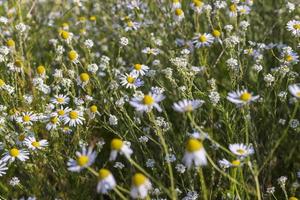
(150, 99)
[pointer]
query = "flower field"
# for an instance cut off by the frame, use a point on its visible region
(150, 99)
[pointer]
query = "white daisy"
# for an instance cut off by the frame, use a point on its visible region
(60, 99)
(119, 146)
(203, 40)
(131, 26)
(290, 57)
(145, 103)
(194, 154)
(224, 163)
(176, 4)
(233, 10)
(93, 111)
(197, 6)
(61, 112)
(33, 144)
(14, 153)
(294, 27)
(73, 118)
(3, 168)
(187, 105)
(140, 186)
(139, 70)
(84, 159)
(53, 123)
(241, 97)
(295, 90)
(106, 181)
(83, 79)
(27, 118)
(178, 15)
(243, 10)
(130, 81)
(241, 149)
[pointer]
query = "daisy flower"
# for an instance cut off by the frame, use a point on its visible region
(194, 154)
(27, 118)
(140, 186)
(224, 163)
(14, 153)
(294, 27)
(106, 181)
(295, 90)
(61, 112)
(83, 79)
(203, 40)
(130, 81)
(178, 15)
(232, 10)
(145, 103)
(119, 146)
(73, 56)
(176, 4)
(41, 71)
(197, 6)
(53, 123)
(2, 84)
(93, 111)
(151, 51)
(132, 26)
(290, 57)
(139, 69)
(84, 159)
(73, 118)
(3, 168)
(187, 105)
(241, 97)
(60, 99)
(33, 144)
(243, 10)
(241, 149)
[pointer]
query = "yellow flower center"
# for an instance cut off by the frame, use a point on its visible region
(138, 67)
(2, 83)
(93, 109)
(84, 77)
(21, 137)
(116, 144)
(61, 112)
(14, 152)
(232, 8)
(298, 94)
(130, 23)
(36, 144)
(60, 100)
(148, 100)
(72, 55)
(296, 26)
(193, 145)
(293, 198)
(65, 25)
(189, 108)
(138, 179)
(54, 120)
(241, 151)
(65, 34)
(26, 118)
(103, 173)
(82, 160)
(73, 114)
(18, 63)
(236, 163)
(12, 111)
(40, 70)
(92, 18)
(246, 96)
(82, 18)
(178, 12)
(10, 43)
(175, 1)
(130, 79)
(289, 58)
(202, 38)
(197, 3)
(216, 33)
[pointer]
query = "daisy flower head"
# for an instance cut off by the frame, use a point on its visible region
(139, 69)
(60, 99)
(197, 6)
(27, 118)
(10, 43)
(178, 15)
(295, 90)
(146, 102)
(93, 111)
(73, 118)
(216, 33)
(83, 79)
(241, 150)
(53, 122)
(131, 25)
(290, 57)
(187, 105)
(233, 10)
(41, 71)
(203, 40)
(13, 154)
(243, 10)
(294, 27)
(140, 186)
(3, 168)
(33, 144)
(131, 81)
(224, 163)
(84, 159)
(2, 84)
(119, 146)
(73, 56)
(241, 97)
(194, 153)
(106, 181)
(176, 4)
